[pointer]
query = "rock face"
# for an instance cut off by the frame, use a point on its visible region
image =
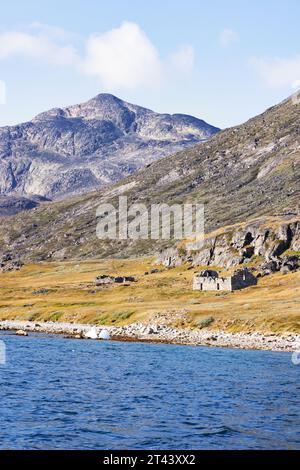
(259, 239)
(271, 244)
(83, 147)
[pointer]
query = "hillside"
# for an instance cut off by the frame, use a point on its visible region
(242, 173)
(74, 150)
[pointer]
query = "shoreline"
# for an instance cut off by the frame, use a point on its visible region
(138, 332)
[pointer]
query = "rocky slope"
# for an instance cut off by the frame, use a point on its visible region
(269, 244)
(86, 146)
(246, 172)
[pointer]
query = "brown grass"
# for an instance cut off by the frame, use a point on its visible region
(271, 306)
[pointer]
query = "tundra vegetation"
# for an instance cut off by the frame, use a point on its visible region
(66, 291)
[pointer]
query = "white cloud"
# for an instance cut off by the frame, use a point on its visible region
(183, 59)
(227, 37)
(278, 72)
(49, 31)
(123, 58)
(37, 47)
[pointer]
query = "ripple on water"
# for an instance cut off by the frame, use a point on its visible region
(57, 393)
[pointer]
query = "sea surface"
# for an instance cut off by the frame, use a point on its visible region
(59, 393)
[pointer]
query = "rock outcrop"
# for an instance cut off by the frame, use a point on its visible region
(9, 263)
(271, 244)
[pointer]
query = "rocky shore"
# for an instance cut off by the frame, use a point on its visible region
(163, 333)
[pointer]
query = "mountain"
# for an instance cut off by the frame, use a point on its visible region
(242, 173)
(80, 148)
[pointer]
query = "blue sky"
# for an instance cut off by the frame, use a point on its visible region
(221, 61)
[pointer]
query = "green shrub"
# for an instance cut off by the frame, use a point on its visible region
(205, 322)
(55, 316)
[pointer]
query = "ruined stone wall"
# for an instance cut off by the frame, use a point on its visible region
(210, 283)
(242, 279)
(239, 280)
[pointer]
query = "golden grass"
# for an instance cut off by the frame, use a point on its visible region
(271, 306)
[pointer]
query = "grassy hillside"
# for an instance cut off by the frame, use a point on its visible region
(241, 173)
(66, 292)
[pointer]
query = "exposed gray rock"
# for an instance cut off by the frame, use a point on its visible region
(271, 266)
(290, 263)
(169, 258)
(256, 240)
(86, 146)
(9, 263)
(104, 279)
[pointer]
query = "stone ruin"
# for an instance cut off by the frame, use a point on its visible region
(106, 279)
(209, 280)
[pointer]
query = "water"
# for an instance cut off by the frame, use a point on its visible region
(61, 393)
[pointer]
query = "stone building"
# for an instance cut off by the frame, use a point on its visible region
(209, 280)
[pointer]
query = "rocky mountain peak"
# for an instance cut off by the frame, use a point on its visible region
(83, 147)
(103, 106)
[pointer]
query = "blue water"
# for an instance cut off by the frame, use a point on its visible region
(61, 393)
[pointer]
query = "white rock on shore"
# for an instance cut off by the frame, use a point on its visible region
(104, 334)
(91, 334)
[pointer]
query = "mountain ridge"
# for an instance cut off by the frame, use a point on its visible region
(242, 173)
(79, 148)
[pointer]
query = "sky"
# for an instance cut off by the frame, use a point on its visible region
(223, 62)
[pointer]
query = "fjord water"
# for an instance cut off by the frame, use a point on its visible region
(59, 393)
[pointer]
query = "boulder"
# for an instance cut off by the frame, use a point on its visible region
(104, 279)
(104, 334)
(290, 263)
(21, 333)
(92, 333)
(7, 264)
(271, 266)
